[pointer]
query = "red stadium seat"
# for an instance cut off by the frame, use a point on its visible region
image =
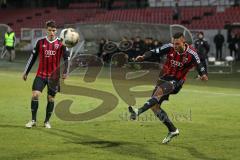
(89, 12)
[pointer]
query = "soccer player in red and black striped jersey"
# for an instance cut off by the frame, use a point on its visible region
(49, 50)
(181, 57)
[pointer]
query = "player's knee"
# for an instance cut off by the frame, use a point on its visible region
(155, 108)
(50, 98)
(158, 93)
(35, 95)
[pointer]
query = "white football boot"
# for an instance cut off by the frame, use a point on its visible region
(30, 124)
(47, 125)
(170, 135)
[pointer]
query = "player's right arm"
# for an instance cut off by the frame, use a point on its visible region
(200, 68)
(156, 53)
(31, 61)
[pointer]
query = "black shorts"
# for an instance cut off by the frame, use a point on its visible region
(177, 86)
(39, 84)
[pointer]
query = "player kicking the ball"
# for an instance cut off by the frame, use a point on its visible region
(49, 50)
(181, 57)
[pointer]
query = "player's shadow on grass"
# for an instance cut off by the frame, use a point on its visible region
(119, 147)
(124, 147)
(102, 143)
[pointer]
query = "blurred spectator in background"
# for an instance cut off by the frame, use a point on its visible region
(105, 4)
(155, 48)
(176, 12)
(102, 3)
(138, 47)
(141, 3)
(237, 47)
(219, 40)
(148, 43)
(9, 43)
(109, 4)
(109, 49)
(156, 44)
(100, 49)
(236, 3)
(202, 48)
(138, 3)
(232, 44)
(3, 4)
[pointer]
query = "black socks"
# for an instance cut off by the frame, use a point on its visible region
(34, 108)
(49, 110)
(163, 117)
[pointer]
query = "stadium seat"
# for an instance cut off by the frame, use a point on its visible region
(193, 17)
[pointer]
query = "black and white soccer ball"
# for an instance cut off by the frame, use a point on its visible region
(69, 37)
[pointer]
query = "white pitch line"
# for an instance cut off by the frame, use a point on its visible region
(213, 93)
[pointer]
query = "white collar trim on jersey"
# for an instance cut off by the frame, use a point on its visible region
(51, 41)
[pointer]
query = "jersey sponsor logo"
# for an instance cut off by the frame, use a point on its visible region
(56, 46)
(176, 63)
(185, 60)
(49, 53)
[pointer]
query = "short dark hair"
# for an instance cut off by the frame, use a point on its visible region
(178, 35)
(201, 33)
(51, 24)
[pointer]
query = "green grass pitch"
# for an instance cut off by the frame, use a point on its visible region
(207, 115)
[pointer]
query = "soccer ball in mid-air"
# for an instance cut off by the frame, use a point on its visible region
(69, 37)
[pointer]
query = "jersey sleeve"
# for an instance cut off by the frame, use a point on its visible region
(200, 68)
(32, 58)
(158, 52)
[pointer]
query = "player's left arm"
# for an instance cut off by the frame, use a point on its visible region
(66, 58)
(200, 68)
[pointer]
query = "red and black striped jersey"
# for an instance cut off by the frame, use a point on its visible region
(177, 64)
(49, 53)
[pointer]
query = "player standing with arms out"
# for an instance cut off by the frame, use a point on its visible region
(49, 50)
(181, 57)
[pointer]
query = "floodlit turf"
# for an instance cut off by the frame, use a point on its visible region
(207, 115)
